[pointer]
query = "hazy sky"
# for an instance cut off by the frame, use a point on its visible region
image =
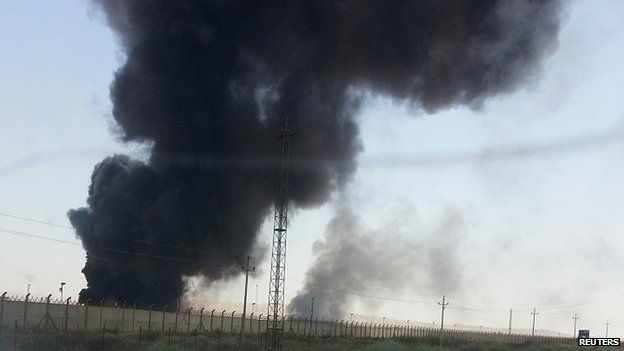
(541, 226)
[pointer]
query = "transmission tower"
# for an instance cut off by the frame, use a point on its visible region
(275, 316)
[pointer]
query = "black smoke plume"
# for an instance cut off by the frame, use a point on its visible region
(208, 85)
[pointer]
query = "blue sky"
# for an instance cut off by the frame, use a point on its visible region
(544, 229)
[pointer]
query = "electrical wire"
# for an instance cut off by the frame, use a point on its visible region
(36, 236)
(553, 306)
(149, 242)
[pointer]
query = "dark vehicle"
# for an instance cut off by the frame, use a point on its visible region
(583, 333)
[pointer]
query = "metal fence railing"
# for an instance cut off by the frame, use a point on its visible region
(28, 313)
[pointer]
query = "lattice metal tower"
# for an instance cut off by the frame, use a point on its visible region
(275, 316)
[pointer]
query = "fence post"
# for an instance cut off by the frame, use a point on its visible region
(177, 312)
(222, 313)
(250, 322)
(26, 310)
(211, 318)
(66, 314)
(200, 326)
(149, 318)
(232, 323)
(2, 310)
(346, 329)
(259, 322)
(140, 334)
(123, 314)
(188, 320)
(220, 331)
(101, 303)
(46, 318)
(86, 314)
(290, 323)
(15, 337)
(162, 329)
(133, 314)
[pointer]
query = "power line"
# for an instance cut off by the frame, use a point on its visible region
(149, 242)
(34, 220)
(525, 149)
(321, 286)
(41, 237)
(546, 306)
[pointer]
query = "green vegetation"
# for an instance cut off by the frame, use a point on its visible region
(94, 341)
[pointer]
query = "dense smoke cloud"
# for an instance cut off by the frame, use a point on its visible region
(354, 263)
(209, 83)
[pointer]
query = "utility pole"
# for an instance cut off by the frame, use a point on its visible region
(534, 313)
(607, 328)
(510, 312)
(275, 315)
(310, 328)
(61, 290)
(311, 316)
(247, 269)
(576, 318)
(256, 300)
(443, 304)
